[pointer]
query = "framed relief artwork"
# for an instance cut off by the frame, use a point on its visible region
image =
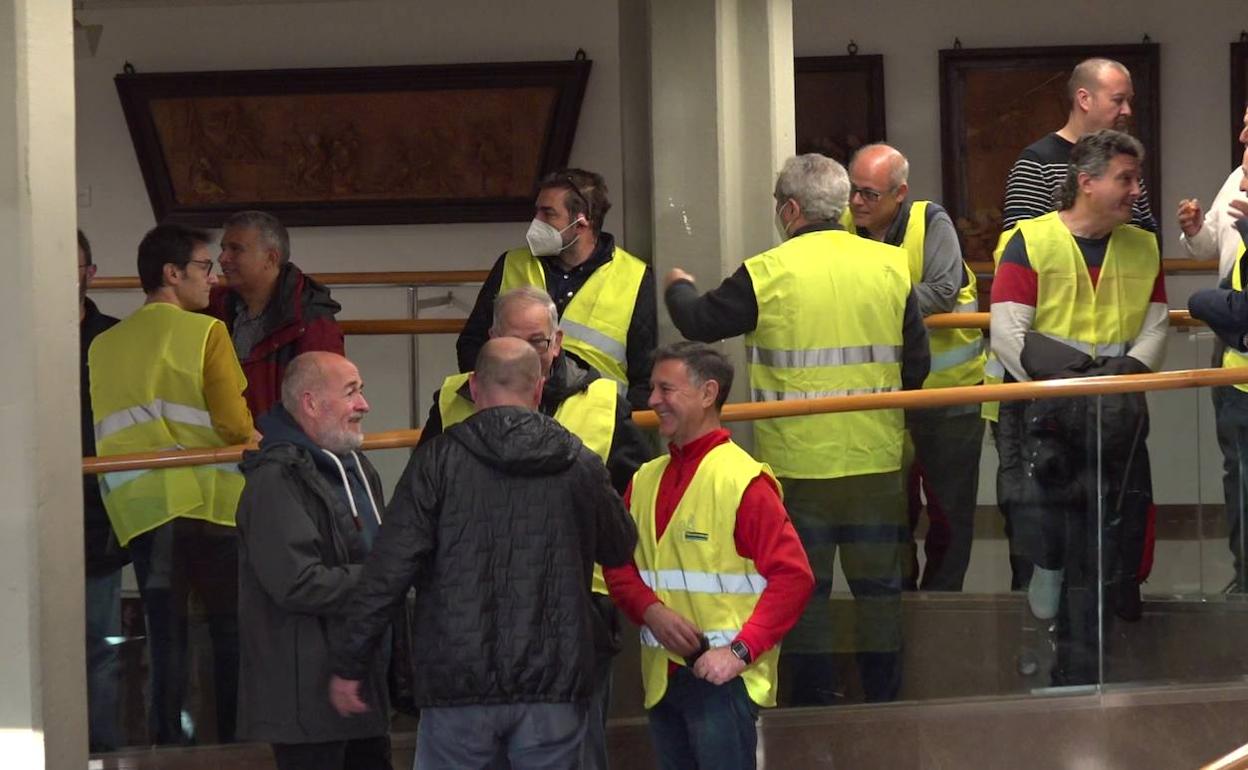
(377, 145)
(839, 103)
(996, 101)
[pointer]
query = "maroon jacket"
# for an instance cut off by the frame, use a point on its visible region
(299, 318)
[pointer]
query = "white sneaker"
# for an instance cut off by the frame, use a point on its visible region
(1045, 592)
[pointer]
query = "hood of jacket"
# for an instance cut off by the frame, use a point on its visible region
(281, 434)
(517, 441)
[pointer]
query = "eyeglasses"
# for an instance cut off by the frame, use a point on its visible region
(868, 195)
(540, 344)
(206, 264)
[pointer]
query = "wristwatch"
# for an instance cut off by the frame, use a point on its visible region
(739, 649)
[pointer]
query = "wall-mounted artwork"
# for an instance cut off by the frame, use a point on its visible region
(839, 103)
(1239, 95)
(455, 143)
(996, 101)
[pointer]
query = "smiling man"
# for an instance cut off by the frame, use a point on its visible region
(272, 309)
(307, 518)
(1079, 292)
(167, 377)
(719, 576)
(1100, 94)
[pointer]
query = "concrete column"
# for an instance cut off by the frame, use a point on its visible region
(42, 680)
(722, 115)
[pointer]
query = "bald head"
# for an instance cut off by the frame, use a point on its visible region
(508, 373)
(879, 181)
(1100, 93)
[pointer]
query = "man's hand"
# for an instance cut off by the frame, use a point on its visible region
(718, 666)
(344, 694)
(673, 630)
(674, 275)
(1191, 218)
(1239, 209)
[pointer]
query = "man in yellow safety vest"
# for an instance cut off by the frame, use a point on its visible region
(167, 378)
(604, 295)
(827, 313)
(947, 440)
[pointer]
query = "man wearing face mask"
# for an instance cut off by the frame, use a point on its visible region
(605, 296)
(827, 313)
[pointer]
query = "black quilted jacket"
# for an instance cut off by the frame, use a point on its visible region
(496, 524)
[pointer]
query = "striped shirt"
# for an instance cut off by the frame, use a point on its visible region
(1031, 189)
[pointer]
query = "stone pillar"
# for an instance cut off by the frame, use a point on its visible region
(42, 681)
(722, 115)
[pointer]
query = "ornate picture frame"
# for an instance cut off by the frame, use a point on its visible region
(996, 101)
(839, 103)
(353, 146)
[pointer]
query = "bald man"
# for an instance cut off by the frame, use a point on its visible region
(946, 441)
(1100, 94)
(497, 523)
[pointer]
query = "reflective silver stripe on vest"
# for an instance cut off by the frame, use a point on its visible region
(967, 307)
(847, 356)
(959, 355)
(721, 638)
(703, 582)
(114, 480)
(595, 338)
(1103, 349)
(994, 368)
(156, 410)
(776, 395)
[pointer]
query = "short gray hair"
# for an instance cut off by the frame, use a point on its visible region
(303, 375)
(1091, 155)
(525, 296)
(270, 228)
(818, 184)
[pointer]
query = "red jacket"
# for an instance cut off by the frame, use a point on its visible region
(299, 318)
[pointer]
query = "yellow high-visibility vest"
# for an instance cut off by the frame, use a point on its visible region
(830, 315)
(695, 569)
(595, 322)
(588, 415)
(147, 394)
(957, 354)
(1232, 358)
(1103, 320)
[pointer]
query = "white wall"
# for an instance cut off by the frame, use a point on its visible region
(225, 36)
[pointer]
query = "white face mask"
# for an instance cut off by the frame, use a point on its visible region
(781, 227)
(544, 240)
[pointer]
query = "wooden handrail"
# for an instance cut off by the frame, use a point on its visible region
(1168, 266)
(1178, 318)
(408, 278)
(1236, 760)
(444, 277)
(906, 399)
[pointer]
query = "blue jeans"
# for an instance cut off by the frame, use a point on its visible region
(533, 736)
(103, 620)
(701, 726)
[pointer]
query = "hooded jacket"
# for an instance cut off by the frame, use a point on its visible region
(496, 524)
(302, 525)
(299, 318)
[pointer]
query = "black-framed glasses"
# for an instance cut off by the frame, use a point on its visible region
(206, 264)
(868, 195)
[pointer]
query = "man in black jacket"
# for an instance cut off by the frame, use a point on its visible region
(307, 517)
(497, 523)
(104, 556)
